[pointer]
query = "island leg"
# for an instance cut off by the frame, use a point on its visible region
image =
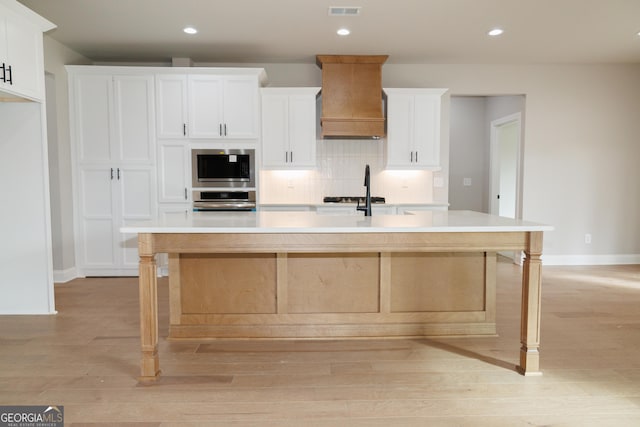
(530, 311)
(148, 287)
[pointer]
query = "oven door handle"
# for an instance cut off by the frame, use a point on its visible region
(223, 205)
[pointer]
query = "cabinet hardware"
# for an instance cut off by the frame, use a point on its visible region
(416, 157)
(286, 157)
(184, 129)
(4, 73)
(112, 174)
(118, 174)
(185, 193)
(291, 156)
(225, 129)
(220, 129)
(412, 157)
(10, 78)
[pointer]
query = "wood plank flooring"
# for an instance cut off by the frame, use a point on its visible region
(87, 359)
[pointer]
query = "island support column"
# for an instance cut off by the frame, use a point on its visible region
(148, 284)
(530, 312)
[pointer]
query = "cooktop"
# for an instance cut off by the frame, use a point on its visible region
(351, 199)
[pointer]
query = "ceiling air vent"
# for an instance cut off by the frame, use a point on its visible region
(344, 11)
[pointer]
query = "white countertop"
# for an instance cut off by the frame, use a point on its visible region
(312, 222)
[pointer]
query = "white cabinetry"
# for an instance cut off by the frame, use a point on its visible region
(21, 59)
(112, 120)
(207, 106)
(413, 128)
(173, 172)
(289, 127)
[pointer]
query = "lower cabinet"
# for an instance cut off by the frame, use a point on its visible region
(110, 197)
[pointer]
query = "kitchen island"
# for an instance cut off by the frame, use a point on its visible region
(305, 275)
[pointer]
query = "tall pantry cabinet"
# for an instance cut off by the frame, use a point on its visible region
(113, 135)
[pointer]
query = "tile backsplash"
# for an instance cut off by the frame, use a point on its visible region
(340, 172)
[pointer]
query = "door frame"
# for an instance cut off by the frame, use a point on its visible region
(494, 169)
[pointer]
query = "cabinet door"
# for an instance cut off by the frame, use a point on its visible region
(400, 130)
(96, 185)
(275, 130)
(133, 111)
(171, 96)
(92, 111)
(205, 107)
(172, 173)
(240, 117)
(426, 130)
(136, 202)
(302, 130)
(24, 55)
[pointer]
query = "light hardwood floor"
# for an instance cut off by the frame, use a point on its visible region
(87, 359)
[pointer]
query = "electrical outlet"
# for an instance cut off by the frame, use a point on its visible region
(587, 239)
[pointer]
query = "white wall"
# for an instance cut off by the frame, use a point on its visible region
(468, 153)
(580, 153)
(56, 56)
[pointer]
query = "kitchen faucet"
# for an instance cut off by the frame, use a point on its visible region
(367, 183)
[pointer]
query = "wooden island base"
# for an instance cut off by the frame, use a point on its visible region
(310, 285)
(331, 295)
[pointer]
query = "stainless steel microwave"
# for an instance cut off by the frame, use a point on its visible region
(223, 168)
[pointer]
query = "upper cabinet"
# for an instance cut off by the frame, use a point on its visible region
(113, 118)
(208, 106)
(289, 127)
(21, 56)
(413, 128)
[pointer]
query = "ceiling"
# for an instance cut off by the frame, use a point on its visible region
(294, 31)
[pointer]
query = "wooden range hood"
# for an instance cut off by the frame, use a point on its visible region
(352, 95)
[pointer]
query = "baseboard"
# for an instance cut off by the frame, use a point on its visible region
(63, 276)
(616, 259)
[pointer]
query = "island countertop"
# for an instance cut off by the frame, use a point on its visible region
(312, 222)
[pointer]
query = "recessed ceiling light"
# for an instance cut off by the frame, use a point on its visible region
(495, 32)
(343, 32)
(190, 30)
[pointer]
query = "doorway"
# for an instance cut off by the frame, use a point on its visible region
(505, 171)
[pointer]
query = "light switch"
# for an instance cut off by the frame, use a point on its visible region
(466, 182)
(438, 182)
